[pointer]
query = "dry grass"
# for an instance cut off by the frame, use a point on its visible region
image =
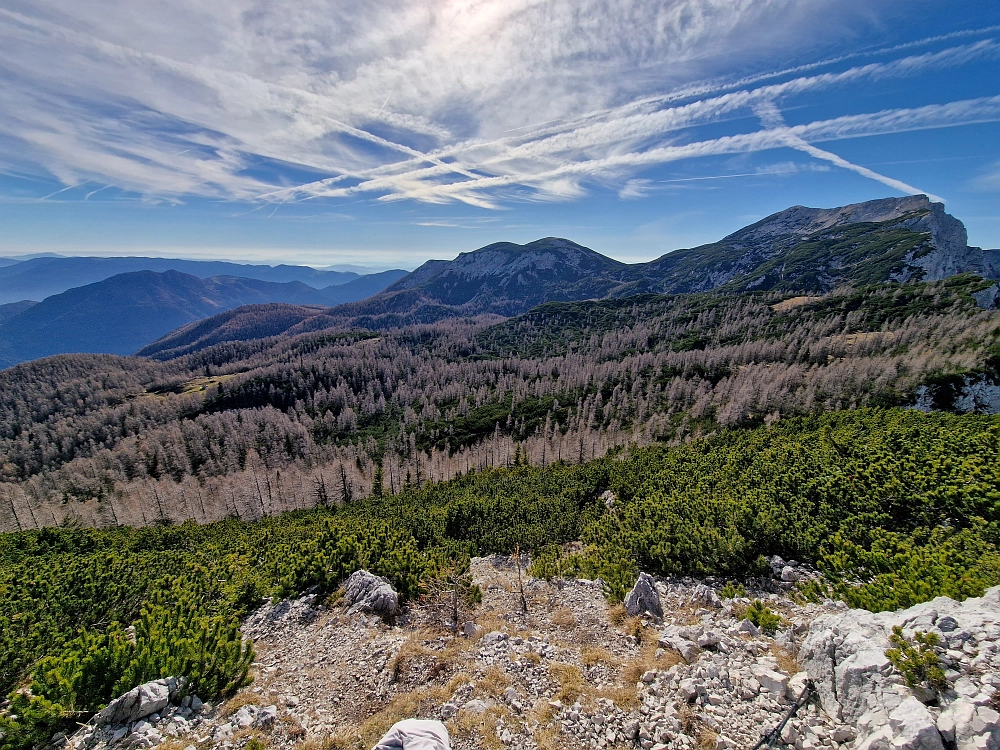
(324, 743)
(402, 706)
(792, 303)
(491, 622)
(550, 738)
(178, 744)
(633, 670)
(494, 681)
(617, 614)
(593, 655)
(706, 737)
(625, 622)
(570, 681)
(563, 618)
(256, 740)
(238, 701)
(409, 651)
(440, 661)
(542, 712)
(484, 726)
(787, 662)
(334, 599)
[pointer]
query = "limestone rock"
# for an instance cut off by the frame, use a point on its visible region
(705, 596)
(644, 598)
(913, 727)
(140, 702)
(365, 592)
(844, 655)
(966, 726)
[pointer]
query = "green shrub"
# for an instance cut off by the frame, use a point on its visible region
(733, 591)
(761, 615)
(917, 661)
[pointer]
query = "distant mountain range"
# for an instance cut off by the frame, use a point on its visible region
(800, 249)
(808, 250)
(123, 313)
(38, 278)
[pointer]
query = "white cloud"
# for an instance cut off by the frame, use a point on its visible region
(432, 100)
(636, 188)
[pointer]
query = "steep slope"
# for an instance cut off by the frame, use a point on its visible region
(38, 278)
(811, 249)
(11, 309)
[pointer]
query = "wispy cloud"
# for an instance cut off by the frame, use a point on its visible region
(473, 101)
(989, 180)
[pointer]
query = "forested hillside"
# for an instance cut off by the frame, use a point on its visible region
(256, 427)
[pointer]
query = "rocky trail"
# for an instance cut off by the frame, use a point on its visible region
(540, 665)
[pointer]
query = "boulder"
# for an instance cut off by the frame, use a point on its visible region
(140, 702)
(705, 596)
(366, 592)
(775, 682)
(644, 597)
(679, 639)
(914, 727)
(789, 574)
(966, 726)
(475, 706)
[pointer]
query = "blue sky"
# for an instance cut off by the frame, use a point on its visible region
(387, 133)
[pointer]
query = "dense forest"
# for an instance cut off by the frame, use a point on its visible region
(244, 429)
(894, 507)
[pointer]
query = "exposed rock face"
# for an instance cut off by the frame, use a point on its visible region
(643, 597)
(140, 702)
(971, 393)
(844, 654)
(366, 592)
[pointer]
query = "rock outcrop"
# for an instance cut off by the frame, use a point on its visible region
(140, 702)
(366, 592)
(643, 597)
(845, 656)
(703, 677)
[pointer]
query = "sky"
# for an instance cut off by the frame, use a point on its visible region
(383, 134)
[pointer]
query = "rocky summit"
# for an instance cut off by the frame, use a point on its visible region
(544, 665)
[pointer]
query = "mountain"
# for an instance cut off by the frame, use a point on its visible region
(242, 324)
(799, 249)
(807, 250)
(506, 278)
(38, 278)
(816, 250)
(11, 309)
(125, 312)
